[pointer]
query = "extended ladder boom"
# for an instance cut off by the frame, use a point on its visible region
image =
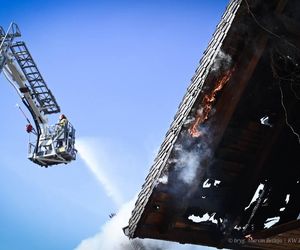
(45, 99)
(54, 144)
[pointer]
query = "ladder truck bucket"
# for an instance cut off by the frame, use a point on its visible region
(55, 146)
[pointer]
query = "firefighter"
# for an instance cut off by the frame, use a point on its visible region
(61, 126)
(62, 120)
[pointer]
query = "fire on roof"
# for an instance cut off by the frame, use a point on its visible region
(227, 174)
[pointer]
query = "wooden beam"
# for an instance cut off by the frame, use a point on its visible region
(248, 185)
(183, 236)
(267, 233)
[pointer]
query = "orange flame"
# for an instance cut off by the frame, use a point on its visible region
(206, 105)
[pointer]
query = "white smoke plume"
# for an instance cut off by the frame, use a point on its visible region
(222, 60)
(188, 163)
(163, 179)
(111, 236)
(188, 160)
(91, 154)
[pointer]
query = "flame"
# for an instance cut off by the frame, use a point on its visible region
(206, 105)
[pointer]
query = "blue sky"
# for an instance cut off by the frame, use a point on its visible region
(118, 70)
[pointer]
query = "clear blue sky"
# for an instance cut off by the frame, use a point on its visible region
(118, 70)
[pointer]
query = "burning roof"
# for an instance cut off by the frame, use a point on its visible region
(224, 175)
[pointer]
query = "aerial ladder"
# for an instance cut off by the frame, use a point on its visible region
(52, 144)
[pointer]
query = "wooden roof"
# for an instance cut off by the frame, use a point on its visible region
(236, 129)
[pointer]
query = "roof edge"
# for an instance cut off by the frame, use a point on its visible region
(183, 111)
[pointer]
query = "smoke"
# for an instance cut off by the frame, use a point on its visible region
(188, 160)
(94, 159)
(190, 155)
(163, 179)
(111, 236)
(187, 164)
(222, 61)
